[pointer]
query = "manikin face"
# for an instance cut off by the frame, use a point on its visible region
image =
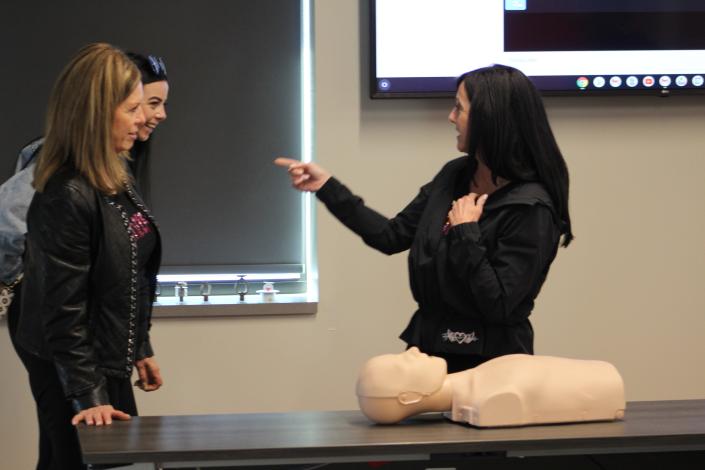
(127, 120)
(460, 117)
(154, 107)
(391, 375)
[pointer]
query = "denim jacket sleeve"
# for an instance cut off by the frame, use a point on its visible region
(15, 197)
(28, 154)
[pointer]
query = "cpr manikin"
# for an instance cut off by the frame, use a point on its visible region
(513, 390)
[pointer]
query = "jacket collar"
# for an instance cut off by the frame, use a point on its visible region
(521, 192)
(517, 192)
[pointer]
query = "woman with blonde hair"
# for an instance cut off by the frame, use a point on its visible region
(92, 255)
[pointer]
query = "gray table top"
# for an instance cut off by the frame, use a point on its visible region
(647, 426)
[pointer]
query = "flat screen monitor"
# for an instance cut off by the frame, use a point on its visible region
(419, 47)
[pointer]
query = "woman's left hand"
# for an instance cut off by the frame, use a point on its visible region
(467, 209)
(99, 415)
(150, 377)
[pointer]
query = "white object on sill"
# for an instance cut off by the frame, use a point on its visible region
(268, 292)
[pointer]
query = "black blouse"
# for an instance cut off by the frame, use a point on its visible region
(475, 284)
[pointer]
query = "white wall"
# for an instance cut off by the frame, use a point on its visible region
(629, 289)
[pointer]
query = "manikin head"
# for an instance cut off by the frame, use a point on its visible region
(392, 387)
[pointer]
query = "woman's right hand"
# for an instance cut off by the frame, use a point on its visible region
(304, 176)
(99, 415)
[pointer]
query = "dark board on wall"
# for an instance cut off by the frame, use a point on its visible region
(234, 104)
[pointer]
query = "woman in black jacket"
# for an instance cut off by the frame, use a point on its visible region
(91, 259)
(483, 233)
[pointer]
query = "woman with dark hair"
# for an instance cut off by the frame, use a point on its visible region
(91, 259)
(156, 93)
(483, 233)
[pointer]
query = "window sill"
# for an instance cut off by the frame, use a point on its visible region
(231, 306)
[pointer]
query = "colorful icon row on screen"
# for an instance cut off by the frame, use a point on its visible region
(632, 81)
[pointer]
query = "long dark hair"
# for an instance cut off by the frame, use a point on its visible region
(152, 68)
(510, 133)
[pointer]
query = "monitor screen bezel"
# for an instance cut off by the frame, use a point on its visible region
(375, 93)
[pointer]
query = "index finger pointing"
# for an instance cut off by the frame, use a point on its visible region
(285, 162)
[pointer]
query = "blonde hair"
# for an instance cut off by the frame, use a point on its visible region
(80, 116)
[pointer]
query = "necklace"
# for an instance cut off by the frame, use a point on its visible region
(446, 227)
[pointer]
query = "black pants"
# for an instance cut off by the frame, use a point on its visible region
(58, 440)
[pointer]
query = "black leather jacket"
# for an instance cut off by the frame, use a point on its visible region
(80, 305)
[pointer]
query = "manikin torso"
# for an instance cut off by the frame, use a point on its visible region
(521, 389)
(511, 390)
